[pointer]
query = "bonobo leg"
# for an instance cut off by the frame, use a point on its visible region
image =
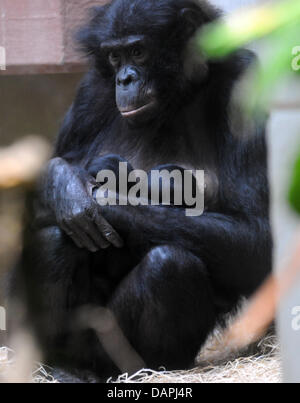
(165, 307)
(59, 279)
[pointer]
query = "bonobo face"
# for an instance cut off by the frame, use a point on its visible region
(144, 45)
(135, 95)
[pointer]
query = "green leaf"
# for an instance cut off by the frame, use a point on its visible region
(223, 37)
(294, 193)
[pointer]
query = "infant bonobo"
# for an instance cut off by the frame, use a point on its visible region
(169, 183)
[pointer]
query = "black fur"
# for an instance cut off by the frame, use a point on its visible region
(173, 277)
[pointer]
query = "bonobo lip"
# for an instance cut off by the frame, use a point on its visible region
(128, 113)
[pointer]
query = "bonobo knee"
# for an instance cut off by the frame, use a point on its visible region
(51, 243)
(50, 235)
(48, 239)
(173, 260)
(161, 255)
(42, 247)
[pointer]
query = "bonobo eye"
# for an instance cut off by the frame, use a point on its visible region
(114, 57)
(139, 54)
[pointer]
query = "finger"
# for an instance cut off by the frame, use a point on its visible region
(108, 232)
(72, 235)
(96, 236)
(92, 233)
(84, 238)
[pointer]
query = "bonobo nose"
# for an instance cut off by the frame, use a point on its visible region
(127, 76)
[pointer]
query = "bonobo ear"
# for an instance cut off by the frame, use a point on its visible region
(193, 16)
(195, 66)
(196, 14)
(191, 20)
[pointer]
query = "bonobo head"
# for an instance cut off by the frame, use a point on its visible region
(142, 48)
(129, 58)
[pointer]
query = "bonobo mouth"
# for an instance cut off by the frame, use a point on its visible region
(130, 112)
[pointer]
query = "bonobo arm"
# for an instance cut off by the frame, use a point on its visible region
(66, 191)
(234, 245)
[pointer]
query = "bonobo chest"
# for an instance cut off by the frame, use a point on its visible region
(185, 143)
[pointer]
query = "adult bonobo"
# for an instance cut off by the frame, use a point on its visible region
(168, 278)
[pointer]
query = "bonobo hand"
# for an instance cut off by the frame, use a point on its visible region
(67, 192)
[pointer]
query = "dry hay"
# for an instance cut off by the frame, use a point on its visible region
(10, 370)
(242, 370)
(262, 367)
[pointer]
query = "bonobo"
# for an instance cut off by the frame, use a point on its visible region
(167, 278)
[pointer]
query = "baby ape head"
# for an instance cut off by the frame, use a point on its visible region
(141, 48)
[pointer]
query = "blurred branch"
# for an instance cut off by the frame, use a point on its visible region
(279, 24)
(246, 25)
(21, 162)
(261, 311)
(294, 194)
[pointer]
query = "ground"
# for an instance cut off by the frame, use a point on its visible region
(262, 367)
